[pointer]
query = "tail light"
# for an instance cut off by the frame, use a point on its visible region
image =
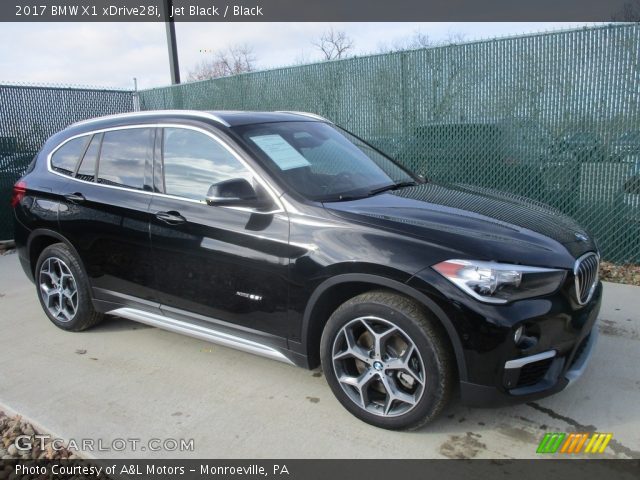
(19, 191)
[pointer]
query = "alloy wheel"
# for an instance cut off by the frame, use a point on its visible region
(58, 289)
(378, 366)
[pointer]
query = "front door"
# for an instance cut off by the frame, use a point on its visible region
(222, 263)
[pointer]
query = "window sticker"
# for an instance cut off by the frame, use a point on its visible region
(280, 151)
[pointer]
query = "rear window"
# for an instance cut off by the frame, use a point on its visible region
(123, 157)
(65, 159)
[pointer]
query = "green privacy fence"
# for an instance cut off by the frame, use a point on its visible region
(555, 116)
(31, 114)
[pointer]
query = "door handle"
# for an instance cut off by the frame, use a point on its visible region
(172, 218)
(74, 197)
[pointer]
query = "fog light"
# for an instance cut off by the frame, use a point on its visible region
(518, 335)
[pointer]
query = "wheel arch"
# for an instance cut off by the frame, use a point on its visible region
(40, 239)
(338, 289)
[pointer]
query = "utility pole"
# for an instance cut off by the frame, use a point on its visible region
(136, 97)
(174, 68)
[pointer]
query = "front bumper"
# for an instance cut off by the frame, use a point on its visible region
(563, 358)
(556, 379)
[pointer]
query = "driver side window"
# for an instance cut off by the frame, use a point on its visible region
(193, 161)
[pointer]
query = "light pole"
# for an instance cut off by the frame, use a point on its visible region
(172, 46)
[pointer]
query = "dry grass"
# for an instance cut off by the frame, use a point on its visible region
(629, 274)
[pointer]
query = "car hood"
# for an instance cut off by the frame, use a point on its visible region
(475, 221)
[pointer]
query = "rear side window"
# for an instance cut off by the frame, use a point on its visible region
(65, 159)
(123, 157)
(87, 168)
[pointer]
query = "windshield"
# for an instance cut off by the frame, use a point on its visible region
(322, 162)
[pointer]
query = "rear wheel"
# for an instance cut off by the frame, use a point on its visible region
(387, 360)
(63, 289)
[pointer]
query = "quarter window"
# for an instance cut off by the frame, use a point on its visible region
(123, 157)
(65, 159)
(194, 161)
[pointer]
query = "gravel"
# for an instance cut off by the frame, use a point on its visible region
(12, 427)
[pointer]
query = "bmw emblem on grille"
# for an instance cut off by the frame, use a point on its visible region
(581, 236)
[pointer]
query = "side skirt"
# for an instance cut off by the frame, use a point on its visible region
(207, 333)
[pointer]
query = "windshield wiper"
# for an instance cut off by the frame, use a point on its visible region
(370, 193)
(392, 186)
(342, 198)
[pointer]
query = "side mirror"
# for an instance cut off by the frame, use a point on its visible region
(233, 192)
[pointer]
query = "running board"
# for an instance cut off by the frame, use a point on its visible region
(202, 333)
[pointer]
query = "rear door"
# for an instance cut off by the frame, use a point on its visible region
(221, 263)
(105, 213)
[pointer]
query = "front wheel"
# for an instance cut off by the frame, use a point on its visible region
(387, 360)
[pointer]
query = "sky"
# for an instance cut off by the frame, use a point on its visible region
(112, 54)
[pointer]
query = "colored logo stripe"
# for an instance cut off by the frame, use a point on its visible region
(574, 443)
(598, 443)
(550, 443)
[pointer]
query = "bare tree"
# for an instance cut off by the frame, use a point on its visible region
(334, 44)
(223, 63)
(630, 12)
(420, 39)
(417, 40)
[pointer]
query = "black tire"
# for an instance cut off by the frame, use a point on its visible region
(84, 315)
(435, 363)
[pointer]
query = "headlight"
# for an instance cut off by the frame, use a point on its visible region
(493, 282)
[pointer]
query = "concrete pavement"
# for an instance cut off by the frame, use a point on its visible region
(123, 380)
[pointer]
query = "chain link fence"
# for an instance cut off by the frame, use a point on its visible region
(554, 116)
(31, 114)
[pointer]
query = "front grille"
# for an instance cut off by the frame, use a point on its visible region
(586, 276)
(532, 373)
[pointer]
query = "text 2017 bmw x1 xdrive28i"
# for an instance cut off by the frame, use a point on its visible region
(286, 236)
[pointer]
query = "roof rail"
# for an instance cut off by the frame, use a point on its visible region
(306, 114)
(193, 113)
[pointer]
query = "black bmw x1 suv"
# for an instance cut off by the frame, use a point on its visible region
(284, 235)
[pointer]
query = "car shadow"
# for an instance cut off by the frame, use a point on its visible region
(117, 324)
